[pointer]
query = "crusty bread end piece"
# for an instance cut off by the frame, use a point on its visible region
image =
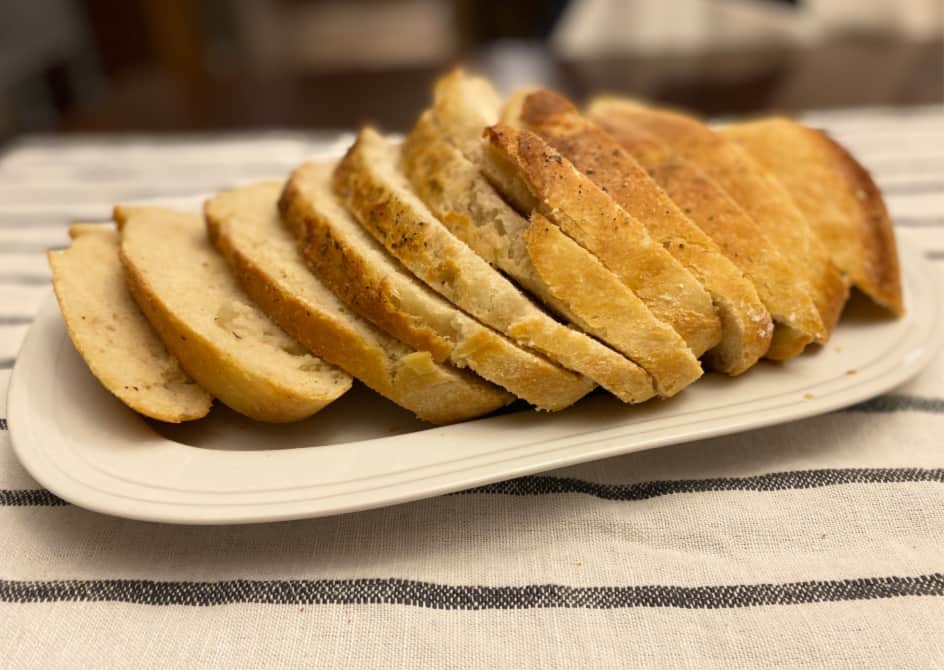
(782, 290)
(370, 183)
(113, 336)
(760, 195)
(203, 317)
(375, 285)
(244, 224)
(746, 323)
(838, 197)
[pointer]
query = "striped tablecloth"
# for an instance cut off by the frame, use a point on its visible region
(820, 543)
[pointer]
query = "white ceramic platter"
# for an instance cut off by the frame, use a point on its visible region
(363, 451)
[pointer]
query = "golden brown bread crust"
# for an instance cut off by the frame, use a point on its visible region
(524, 373)
(551, 184)
(435, 393)
(838, 197)
(760, 195)
(113, 336)
(797, 321)
(746, 323)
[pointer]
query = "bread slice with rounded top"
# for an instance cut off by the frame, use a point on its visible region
(761, 196)
(375, 285)
(780, 285)
(370, 184)
(113, 336)
(221, 339)
(746, 324)
(533, 176)
(541, 258)
(245, 226)
(837, 196)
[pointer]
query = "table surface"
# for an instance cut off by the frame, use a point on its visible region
(807, 545)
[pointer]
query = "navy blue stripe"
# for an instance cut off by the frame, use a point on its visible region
(541, 485)
(898, 403)
(30, 498)
(431, 595)
(537, 485)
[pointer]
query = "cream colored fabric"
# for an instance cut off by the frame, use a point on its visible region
(817, 544)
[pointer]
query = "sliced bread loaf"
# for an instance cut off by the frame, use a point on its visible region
(533, 176)
(113, 336)
(780, 285)
(203, 317)
(244, 224)
(836, 195)
(376, 192)
(376, 286)
(746, 323)
(761, 196)
(541, 258)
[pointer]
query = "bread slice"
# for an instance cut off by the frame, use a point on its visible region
(533, 176)
(369, 182)
(372, 283)
(452, 185)
(746, 323)
(614, 312)
(761, 196)
(220, 338)
(111, 333)
(836, 195)
(466, 203)
(779, 284)
(245, 226)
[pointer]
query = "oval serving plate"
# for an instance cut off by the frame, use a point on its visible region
(362, 452)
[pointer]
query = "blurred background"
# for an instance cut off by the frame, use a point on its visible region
(194, 65)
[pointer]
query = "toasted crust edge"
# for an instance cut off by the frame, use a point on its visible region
(884, 284)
